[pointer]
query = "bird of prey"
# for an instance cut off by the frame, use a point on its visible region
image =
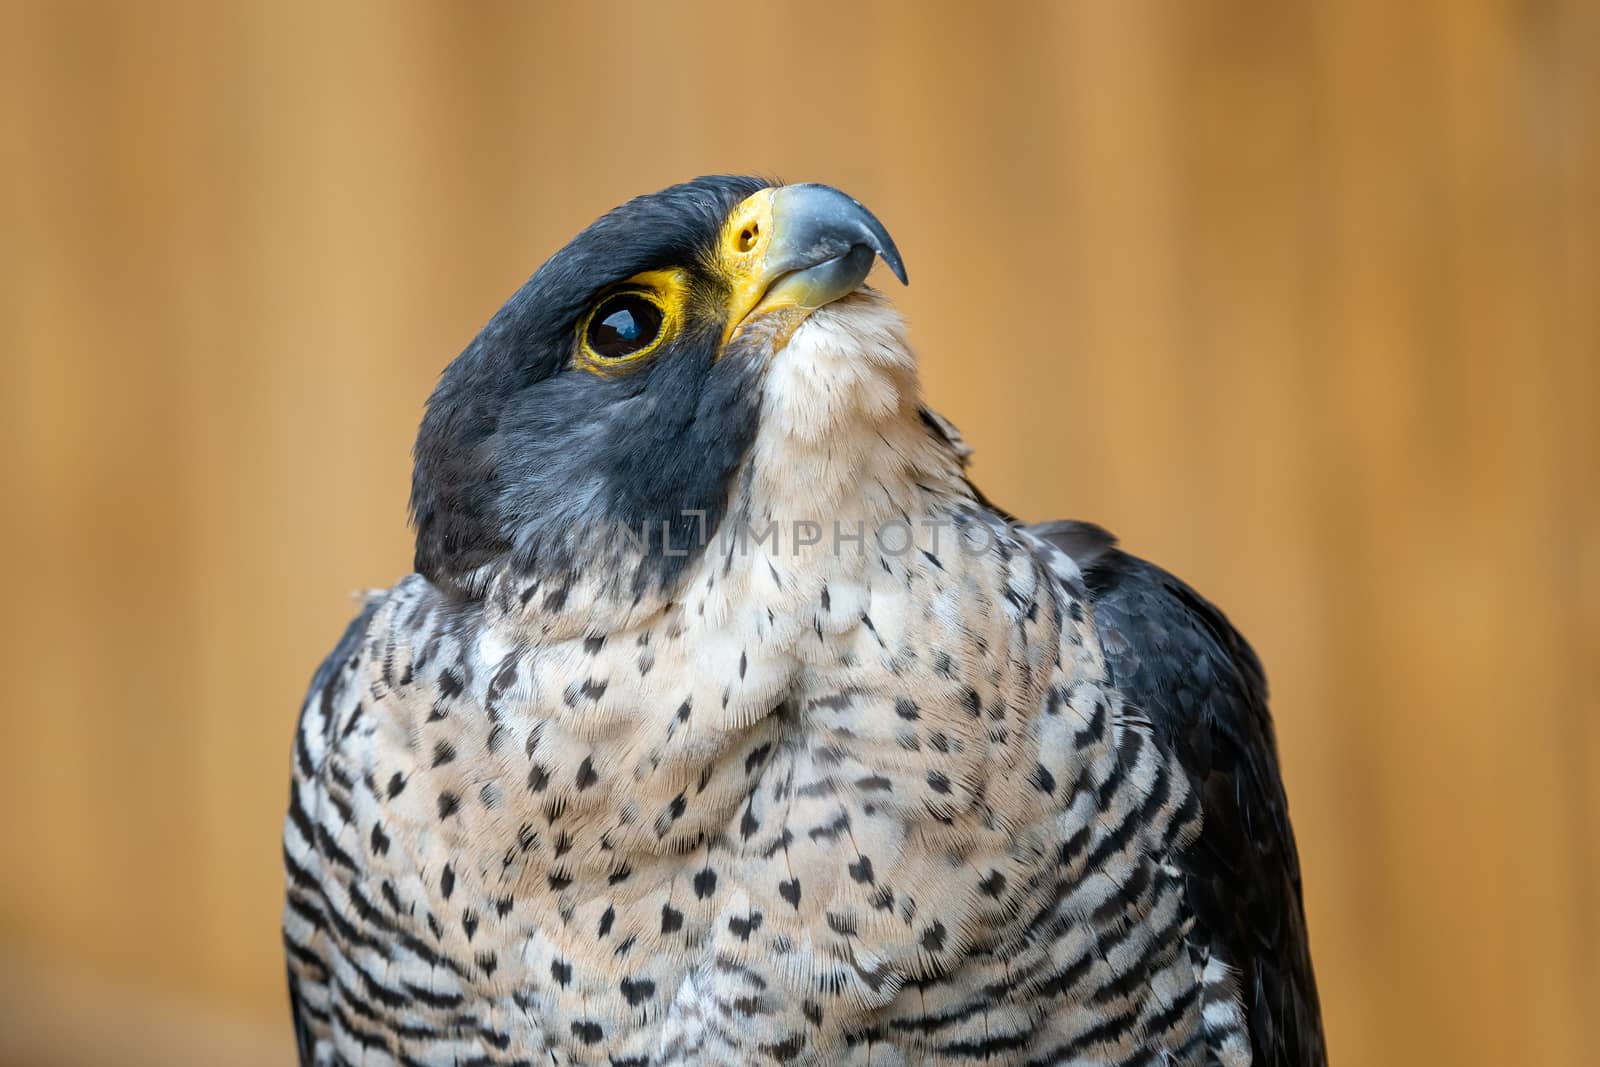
(725, 722)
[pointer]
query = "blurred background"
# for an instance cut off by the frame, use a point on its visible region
(1300, 300)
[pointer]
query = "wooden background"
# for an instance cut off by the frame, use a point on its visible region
(1299, 300)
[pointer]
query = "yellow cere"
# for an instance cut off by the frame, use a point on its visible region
(742, 257)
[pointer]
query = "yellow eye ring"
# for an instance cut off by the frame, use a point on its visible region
(623, 328)
(631, 322)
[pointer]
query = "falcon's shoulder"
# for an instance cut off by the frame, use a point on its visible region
(332, 686)
(1175, 655)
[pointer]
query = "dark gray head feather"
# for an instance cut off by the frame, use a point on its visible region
(522, 457)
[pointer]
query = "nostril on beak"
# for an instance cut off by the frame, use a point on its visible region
(748, 236)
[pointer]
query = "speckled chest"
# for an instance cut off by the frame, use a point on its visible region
(883, 814)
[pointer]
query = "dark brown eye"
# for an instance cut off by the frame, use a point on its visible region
(623, 325)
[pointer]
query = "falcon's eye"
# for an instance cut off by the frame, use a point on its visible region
(632, 321)
(623, 326)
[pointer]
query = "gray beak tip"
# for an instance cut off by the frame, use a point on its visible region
(830, 221)
(891, 259)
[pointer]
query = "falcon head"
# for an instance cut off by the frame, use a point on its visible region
(630, 383)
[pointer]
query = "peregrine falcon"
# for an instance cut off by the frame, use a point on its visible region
(724, 721)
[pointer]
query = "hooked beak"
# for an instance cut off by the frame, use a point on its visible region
(800, 247)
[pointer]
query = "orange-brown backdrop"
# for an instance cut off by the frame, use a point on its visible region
(1299, 300)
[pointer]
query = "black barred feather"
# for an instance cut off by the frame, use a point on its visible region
(1175, 655)
(323, 684)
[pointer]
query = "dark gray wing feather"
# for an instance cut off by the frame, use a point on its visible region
(1177, 657)
(305, 1056)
